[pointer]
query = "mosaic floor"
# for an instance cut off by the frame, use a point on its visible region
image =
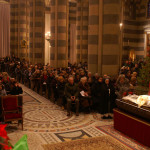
(46, 123)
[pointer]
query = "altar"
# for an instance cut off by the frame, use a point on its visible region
(132, 117)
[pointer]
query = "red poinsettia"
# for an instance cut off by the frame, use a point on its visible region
(3, 132)
(6, 147)
(4, 138)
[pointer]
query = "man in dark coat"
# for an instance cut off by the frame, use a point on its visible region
(36, 80)
(97, 95)
(49, 83)
(17, 89)
(18, 73)
(72, 93)
(28, 75)
(60, 88)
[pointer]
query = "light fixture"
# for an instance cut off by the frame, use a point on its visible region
(47, 36)
(121, 24)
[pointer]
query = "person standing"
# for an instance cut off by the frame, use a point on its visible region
(108, 99)
(97, 95)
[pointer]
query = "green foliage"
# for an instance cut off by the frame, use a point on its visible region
(2, 140)
(22, 144)
(144, 76)
(141, 90)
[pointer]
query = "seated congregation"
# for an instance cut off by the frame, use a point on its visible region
(72, 87)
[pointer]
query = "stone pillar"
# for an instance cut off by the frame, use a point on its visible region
(111, 33)
(79, 30)
(103, 36)
(53, 24)
(82, 30)
(20, 28)
(23, 30)
(85, 14)
(37, 34)
(93, 35)
(14, 27)
(72, 22)
(27, 16)
(59, 33)
(31, 36)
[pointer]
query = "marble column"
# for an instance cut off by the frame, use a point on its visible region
(82, 30)
(59, 33)
(20, 28)
(85, 14)
(111, 56)
(79, 30)
(37, 31)
(93, 35)
(14, 27)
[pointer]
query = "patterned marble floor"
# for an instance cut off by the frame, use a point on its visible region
(45, 123)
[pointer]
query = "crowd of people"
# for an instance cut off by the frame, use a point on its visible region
(9, 86)
(72, 86)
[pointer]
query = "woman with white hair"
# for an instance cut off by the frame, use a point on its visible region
(122, 86)
(85, 94)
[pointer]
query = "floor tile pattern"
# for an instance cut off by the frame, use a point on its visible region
(46, 123)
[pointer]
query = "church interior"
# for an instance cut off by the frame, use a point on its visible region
(75, 74)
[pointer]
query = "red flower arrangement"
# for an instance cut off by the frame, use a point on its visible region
(4, 140)
(6, 145)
